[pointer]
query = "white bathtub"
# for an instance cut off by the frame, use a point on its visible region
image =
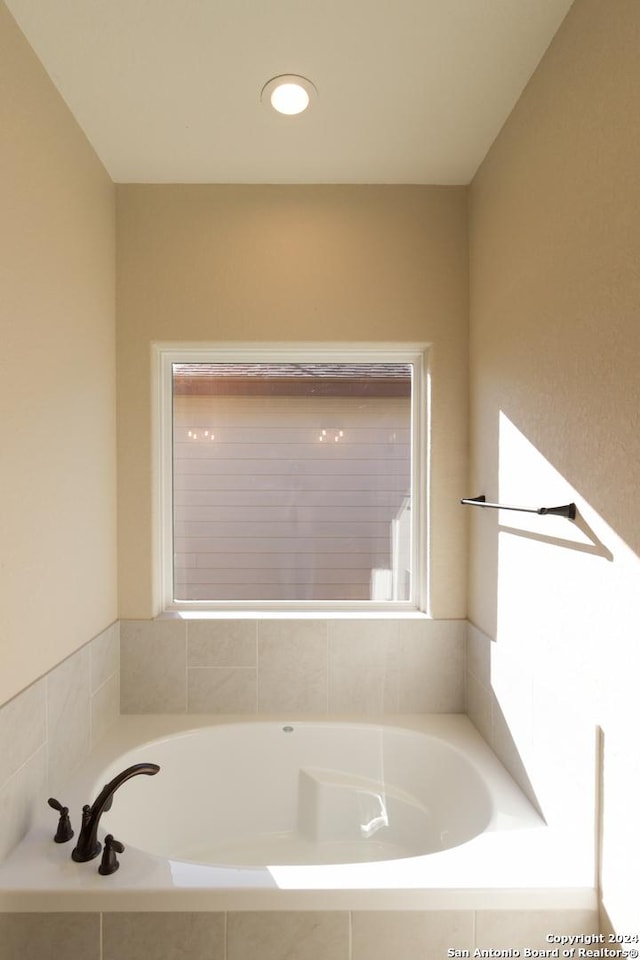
(269, 793)
(296, 813)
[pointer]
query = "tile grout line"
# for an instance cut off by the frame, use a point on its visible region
(326, 641)
(257, 642)
(90, 698)
(186, 666)
(46, 727)
(215, 667)
(112, 676)
(25, 763)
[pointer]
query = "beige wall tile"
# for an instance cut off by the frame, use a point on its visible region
(479, 654)
(569, 759)
(517, 929)
(154, 666)
(292, 665)
(49, 936)
(357, 665)
(163, 936)
(69, 715)
(105, 708)
(222, 643)
(303, 935)
(478, 700)
(513, 748)
(105, 656)
(22, 728)
(222, 690)
(363, 667)
(19, 798)
(410, 935)
(425, 667)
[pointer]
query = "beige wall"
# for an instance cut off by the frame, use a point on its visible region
(318, 263)
(555, 401)
(57, 376)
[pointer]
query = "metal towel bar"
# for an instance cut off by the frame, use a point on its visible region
(567, 510)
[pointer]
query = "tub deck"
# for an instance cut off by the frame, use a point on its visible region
(519, 862)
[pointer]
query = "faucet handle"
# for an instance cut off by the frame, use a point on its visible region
(110, 863)
(65, 830)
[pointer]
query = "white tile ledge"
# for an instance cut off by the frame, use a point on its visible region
(297, 615)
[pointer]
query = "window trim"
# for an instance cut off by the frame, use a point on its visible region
(165, 354)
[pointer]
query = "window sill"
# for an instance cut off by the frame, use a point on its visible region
(317, 614)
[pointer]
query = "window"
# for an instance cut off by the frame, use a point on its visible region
(292, 477)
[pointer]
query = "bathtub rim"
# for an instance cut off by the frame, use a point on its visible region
(153, 750)
(39, 875)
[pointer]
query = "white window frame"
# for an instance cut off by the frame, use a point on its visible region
(165, 354)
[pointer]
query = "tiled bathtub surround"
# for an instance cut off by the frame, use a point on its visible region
(540, 729)
(365, 667)
(276, 935)
(483, 708)
(48, 729)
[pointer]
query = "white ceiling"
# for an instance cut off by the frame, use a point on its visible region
(410, 91)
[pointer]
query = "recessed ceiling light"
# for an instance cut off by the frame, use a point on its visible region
(288, 94)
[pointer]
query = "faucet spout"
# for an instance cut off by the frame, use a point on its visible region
(88, 845)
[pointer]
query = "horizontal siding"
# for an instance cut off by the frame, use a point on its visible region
(334, 499)
(290, 529)
(290, 452)
(321, 591)
(330, 483)
(281, 576)
(269, 505)
(276, 561)
(292, 466)
(290, 545)
(293, 513)
(207, 434)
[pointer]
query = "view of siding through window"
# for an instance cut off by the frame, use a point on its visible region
(292, 481)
